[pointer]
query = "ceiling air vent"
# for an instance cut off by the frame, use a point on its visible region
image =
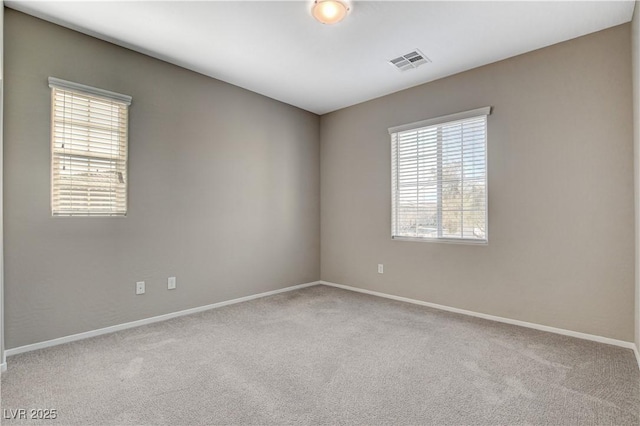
(409, 60)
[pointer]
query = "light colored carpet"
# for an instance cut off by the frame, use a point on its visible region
(321, 355)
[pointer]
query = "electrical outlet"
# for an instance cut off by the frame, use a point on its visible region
(140, 287)
(171, 283)
(380, 268)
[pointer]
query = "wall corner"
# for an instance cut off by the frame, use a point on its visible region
(635, 64)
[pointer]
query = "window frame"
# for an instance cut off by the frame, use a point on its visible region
(477, 113)
(57, 84)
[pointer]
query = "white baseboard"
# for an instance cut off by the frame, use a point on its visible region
(585, 336)
(159, 318)
(138, 323)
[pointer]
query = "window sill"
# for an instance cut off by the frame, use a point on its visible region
(443, 240)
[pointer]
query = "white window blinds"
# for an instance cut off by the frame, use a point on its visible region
(88, 150)
(439, 178)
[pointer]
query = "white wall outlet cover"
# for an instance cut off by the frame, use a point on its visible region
(380, 268)
(140, 287)
(171, 283)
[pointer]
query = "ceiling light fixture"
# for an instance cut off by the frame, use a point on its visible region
(329, 11)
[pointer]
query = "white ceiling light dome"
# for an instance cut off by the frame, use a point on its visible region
(329, 11)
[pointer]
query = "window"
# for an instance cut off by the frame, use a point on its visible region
(439, 178)
(88, 150)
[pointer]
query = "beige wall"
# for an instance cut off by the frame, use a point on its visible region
(561, 208)
(2, 354)
(635, 57)
(223, 191)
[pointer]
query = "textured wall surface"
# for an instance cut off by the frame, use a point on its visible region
(2, 354)
(223, 191)
(635, 56)
(561, 208)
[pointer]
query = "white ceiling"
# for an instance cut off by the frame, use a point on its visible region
(277, 48)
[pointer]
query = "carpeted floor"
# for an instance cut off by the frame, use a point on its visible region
(321, 355)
